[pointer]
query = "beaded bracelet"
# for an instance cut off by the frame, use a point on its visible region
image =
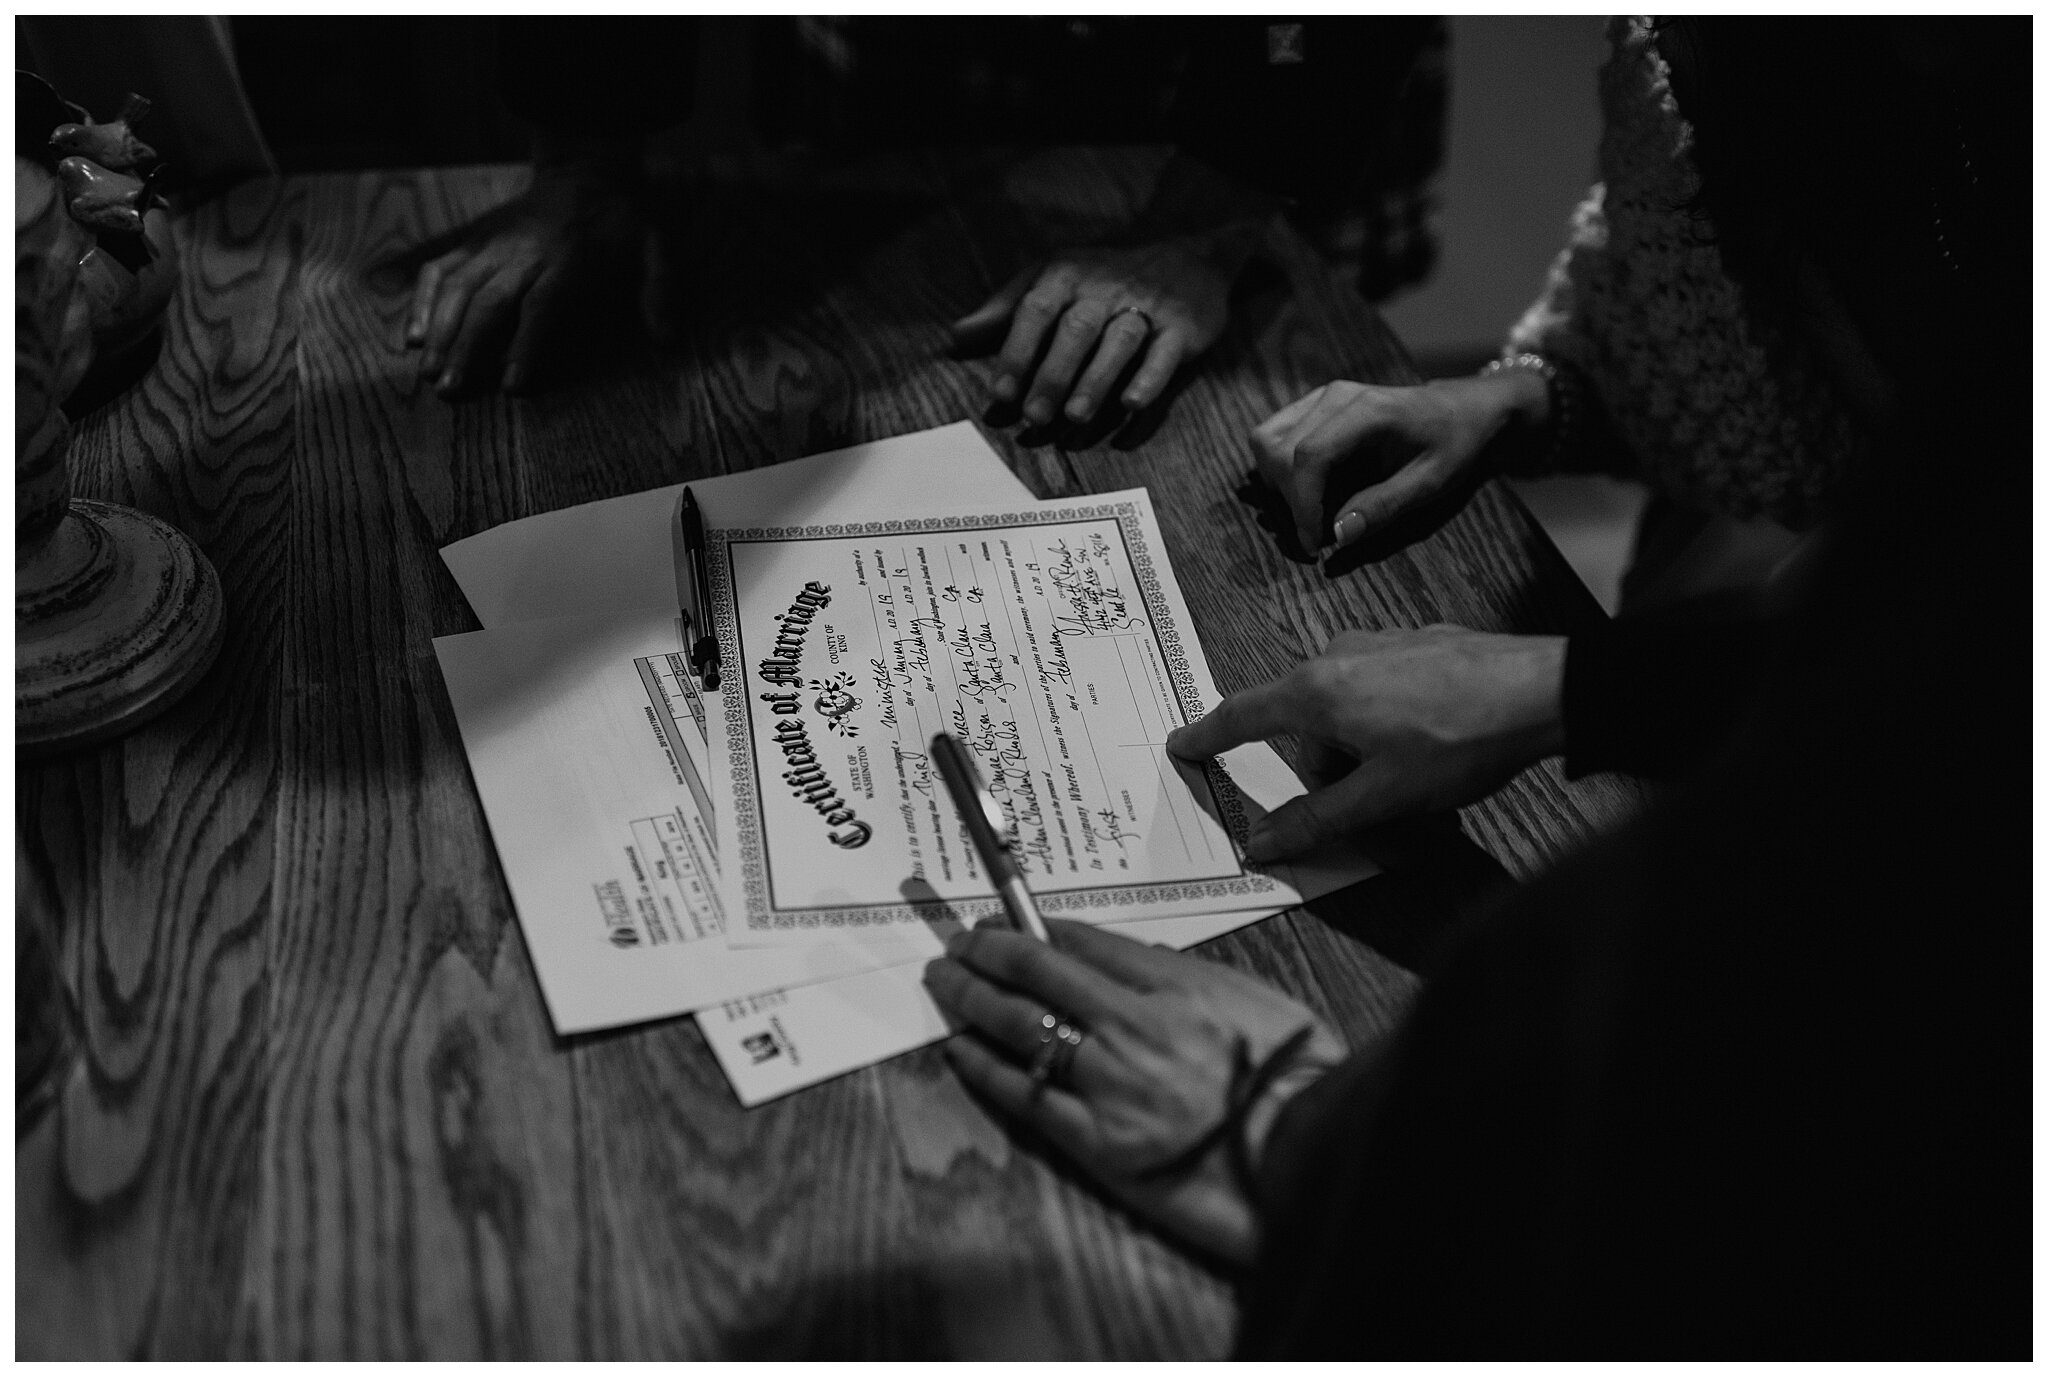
(1562, 401)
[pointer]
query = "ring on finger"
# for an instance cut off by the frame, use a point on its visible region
(1137, 311)
(1053, 1060)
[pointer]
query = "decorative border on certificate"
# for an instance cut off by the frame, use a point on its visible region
(1239, 891)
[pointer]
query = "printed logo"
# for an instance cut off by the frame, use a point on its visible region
(616, 915)
(835, 703)
(1286, 44)
(761, 1046)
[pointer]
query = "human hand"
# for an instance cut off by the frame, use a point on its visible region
(492, 310)
(1097, 312)
(1393, 724)
(1402, 447)
(1168, 1038)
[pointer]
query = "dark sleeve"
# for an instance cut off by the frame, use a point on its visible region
(596, 76)
(1746, 1081)
(1749, 1077)
(1294, 106)
(1648, 698)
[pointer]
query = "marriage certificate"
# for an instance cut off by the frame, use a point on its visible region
(1052, 640)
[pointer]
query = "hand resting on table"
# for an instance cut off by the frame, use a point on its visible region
(1375, 454)
(1074, 328)
(495, 309)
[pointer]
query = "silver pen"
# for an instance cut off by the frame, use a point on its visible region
(984, 819)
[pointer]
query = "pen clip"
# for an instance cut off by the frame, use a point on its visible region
(693, 591)
(686, 583)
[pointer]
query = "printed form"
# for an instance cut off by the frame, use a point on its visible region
(1052, 641)
(599, 761)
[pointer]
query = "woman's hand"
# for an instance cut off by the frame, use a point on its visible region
(1394, 724)
(1166, 1036)
(1392, 449)
(1097, 313)
(491, 311)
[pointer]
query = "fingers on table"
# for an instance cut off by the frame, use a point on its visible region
(1376, 506)
(1323, 437)
(1169, 350)
(1067, 348)
(542, 321)
(475, 313)
(420, 313)
(451, 306)
(1300, 444)
(1253, 714)
(1037, 311)
(986, 318)
(1296, 471)
(1122, 338)
(1081, 325)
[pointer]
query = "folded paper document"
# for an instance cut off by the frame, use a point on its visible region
(777, 855)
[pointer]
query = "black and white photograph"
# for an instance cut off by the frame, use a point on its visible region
(995, 687)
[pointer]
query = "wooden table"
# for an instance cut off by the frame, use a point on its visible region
(319, 1111)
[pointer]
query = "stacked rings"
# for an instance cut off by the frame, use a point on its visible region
(1058, 1040)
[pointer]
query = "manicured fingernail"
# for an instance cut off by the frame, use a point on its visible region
(1037, 411)
(957, 942)
(1078, 406)
(1258, 844)
(1005, 388)
(449, 381)
(1350, 527)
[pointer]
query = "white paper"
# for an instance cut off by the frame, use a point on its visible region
(616, 554)
(589, 764)
(774, 1043)
(1052, 640)
(586, 739)
(567, 797)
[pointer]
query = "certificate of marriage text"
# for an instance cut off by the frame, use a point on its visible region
(1052, 641)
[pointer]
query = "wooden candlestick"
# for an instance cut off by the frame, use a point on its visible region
(116, 614)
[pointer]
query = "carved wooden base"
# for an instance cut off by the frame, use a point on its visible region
(115, 618)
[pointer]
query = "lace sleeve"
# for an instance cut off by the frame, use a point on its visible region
(1556, 327)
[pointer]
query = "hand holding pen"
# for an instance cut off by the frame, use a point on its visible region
(1187, 1062)
(985, 825)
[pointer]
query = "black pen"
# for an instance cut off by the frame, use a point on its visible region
(985, 825)
(694, 598)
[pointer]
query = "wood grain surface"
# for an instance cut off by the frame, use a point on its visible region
(319, 1110)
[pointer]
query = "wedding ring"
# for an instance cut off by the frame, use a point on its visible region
(1058, 1040)
(1137, 311)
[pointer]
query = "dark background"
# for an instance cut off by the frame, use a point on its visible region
(339, 92)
